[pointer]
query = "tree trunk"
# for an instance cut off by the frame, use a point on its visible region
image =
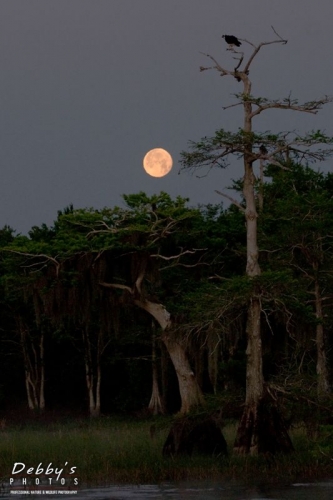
(247, 434)
(165, 360)
(33, 357)
(42, 374)
(248, 431)
(261, 186)
(93, 392)
(254, 375)
(190, 392)
(155, 405)
(93, 375)
(213, 357)
(261, 428)
(323, 386)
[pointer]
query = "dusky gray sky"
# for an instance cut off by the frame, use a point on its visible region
(89, 86)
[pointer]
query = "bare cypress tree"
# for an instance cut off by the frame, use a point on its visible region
(260, 428)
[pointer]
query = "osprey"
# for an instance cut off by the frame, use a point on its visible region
(232, 40)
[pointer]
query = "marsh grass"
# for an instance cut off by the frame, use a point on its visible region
(109, 450)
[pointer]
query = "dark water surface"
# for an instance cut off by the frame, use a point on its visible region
(197, 491)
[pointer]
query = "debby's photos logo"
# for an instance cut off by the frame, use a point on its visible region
(43, 479)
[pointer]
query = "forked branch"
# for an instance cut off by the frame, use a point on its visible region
(235, 202)
(258, 47)
(217, 66)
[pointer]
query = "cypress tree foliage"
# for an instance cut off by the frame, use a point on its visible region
(147, 255)
(92, 264)
(56, 272)
(305, 242)
(24, 326)
(259, 420)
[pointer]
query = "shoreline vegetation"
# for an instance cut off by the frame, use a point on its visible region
(115, 450)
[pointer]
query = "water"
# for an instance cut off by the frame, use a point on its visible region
(196, 491)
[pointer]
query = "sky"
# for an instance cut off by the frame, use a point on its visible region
(89, 86)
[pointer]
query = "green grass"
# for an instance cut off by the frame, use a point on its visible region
(110, 450)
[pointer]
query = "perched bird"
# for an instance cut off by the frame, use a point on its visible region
(263, 150)
(232, 40)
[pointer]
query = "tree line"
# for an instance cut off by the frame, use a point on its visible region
(158, 287)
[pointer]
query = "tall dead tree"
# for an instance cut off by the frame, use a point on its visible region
(260, 428)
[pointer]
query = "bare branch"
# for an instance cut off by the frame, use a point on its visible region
(262, 44)
(278, 164)
(235, 202)
(47, 257)
(43, 255)
(180, 264)
(172, 257)
(106, 228)
(240, 60)
(217, 66)
(277, 34)
(307, 107)
(299, 396)
(232, 105)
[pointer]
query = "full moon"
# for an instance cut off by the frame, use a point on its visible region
(157, 162)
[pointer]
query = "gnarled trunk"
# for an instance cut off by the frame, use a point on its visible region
(190, 392)
(247, 438)
(189, 389)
